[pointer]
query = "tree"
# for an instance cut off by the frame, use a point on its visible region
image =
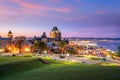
(70, 51)
(19, 41)
(40, 45)
(62, 45)
(31, 45)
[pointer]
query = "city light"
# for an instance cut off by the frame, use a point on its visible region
(45, 51)
(27, 49)
(68, 54)
(1, 50)
(108, 56)
(9, 48)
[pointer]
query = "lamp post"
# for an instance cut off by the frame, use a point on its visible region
(9, 49)
(45, 53)
(108, 56)
(68, 57)
(27, 49)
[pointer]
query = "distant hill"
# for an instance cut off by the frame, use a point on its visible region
(92, 38)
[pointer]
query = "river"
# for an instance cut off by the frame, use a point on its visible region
(112, 45)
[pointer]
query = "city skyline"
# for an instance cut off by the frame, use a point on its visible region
(74, 18)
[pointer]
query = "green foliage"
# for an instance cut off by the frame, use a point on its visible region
(55, 61)
(94, 58)
(13, 55)
(80, 56)
(9, 59)
(62, 56)
(26, 68)
(70, 51)
(62, 44)
(67, 72)
(41, 45)
(27, 55)
(18, 65)
(107, 64)
(18, 42)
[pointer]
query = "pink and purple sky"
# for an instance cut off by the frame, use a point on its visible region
(74, 18)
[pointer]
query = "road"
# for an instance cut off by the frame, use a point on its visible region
(84, 60)
(76, 59)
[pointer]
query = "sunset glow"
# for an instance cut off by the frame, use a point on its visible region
(78, 18)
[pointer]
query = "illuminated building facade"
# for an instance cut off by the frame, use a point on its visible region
(6, 42)
(55, 34)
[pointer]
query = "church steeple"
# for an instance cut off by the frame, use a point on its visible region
(10, 35)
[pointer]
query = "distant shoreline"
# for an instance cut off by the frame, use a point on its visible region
(92, 38)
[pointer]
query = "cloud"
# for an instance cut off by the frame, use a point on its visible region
(28, 5)
(78, 1)
(102, 18)
(101, 12)
(107, 19)
(8, 13)
(18, 9)
(58, 1)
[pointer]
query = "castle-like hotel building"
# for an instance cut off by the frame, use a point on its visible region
(55, 34)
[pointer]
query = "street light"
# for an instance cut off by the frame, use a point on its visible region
(27, 49)
(68, 57)
(108, 56)
(9, 49)
(45, 53)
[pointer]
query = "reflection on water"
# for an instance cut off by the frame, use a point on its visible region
(113, 45)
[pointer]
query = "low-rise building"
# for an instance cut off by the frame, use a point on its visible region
(6, 42)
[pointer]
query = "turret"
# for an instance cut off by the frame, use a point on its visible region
(10, 35)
